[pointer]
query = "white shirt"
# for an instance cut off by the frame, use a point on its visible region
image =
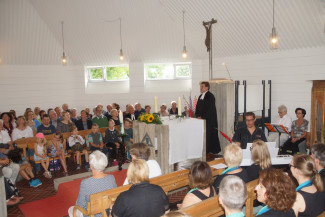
(4, 137)
(285, 121)
(154, 170)
(72, 142)
(202, 96)
(18, 134)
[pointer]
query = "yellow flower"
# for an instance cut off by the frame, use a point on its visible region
(141, 118)
(150, 118)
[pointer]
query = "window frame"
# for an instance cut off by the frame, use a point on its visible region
(104, 67)
(174, 73)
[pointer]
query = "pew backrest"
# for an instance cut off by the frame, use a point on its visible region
(206, 208)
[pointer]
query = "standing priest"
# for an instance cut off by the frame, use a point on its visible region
(206, 109)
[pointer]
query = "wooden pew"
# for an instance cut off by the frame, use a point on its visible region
(322, 214)
(168, 183)
(211, 206)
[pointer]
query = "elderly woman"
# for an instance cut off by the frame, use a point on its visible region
(281, 119)
(142, 151)
(163, 111)
(5, 141)
(147, 109)
(260, 157)
(200, 182)
(142, 199)
(173, 110)
(299, 129)
(22, 130)
(7, 122)
(114, 113)
(276, 190)
(233, 156)
(310, 198)
(97, 183)
(66, 124)
(232, 195)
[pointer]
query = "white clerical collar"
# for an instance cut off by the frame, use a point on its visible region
(203, 94)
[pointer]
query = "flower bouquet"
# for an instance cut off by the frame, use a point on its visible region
(149, 118)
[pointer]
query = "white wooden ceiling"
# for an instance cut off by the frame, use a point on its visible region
(30, 30)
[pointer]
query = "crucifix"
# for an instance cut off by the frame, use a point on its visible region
(208, 42)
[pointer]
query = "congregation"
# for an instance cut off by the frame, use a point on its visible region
(277, 193)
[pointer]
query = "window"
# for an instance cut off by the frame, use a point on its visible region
(168, 71)
(108, 73)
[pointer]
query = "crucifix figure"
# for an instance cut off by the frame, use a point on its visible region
(208, 42)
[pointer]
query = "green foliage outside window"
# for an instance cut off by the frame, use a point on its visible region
(117, 73)
(160, 71)
(182, 71)
(96, 73)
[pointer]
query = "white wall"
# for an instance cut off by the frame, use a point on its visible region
(291, 73)
(49, 86)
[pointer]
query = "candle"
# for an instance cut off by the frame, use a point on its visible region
(179, 106)
(156, 105)
(121, 121)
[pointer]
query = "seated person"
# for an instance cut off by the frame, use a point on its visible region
(40, 154)
(147, 109)
(9, 170)
(46, 128)
(25, 168)
(260, 157)
(232, 195)
(138, 110)
(7, 122)
(318, 153)
(173, 110)
(186, 111)
(97, 183)
(129, 113)
(299, 129)
(233, 156)
(58, 149)
(142, 199)
(32, 122)
(128, 140)
(77, 145)
(5, 141)
(142, 151)
(249, 133)
(65, 125)
(114, 145)
(95, 139)
(22, 130)
(277, 191)
(163, 111)
(281, 119)
(99, 118)
(74, 116)
(200, 182)
(84, 123)
(116, 106)
(115, 117)
(310, 199)
(54, 118)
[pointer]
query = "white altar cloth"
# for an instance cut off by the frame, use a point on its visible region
(186, 137)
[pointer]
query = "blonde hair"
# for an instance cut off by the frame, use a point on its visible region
(306, 165)
(233, 155)
(113, 111)
(261, 154)
(138, 171)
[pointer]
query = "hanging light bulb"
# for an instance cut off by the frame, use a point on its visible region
(121, 55)
(64, 60)
(274, 39)
(184, 53)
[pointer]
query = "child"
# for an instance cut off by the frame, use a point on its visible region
(128, 140)
(40, 154)
(112, 141)
(58, 149)
(96, 140)
(77, 145)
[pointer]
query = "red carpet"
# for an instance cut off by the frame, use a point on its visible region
(58, 205)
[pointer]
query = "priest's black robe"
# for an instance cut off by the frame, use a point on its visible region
(206, 109)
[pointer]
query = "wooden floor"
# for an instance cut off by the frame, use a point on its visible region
(47, 187)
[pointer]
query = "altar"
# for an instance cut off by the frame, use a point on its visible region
(176, 140)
